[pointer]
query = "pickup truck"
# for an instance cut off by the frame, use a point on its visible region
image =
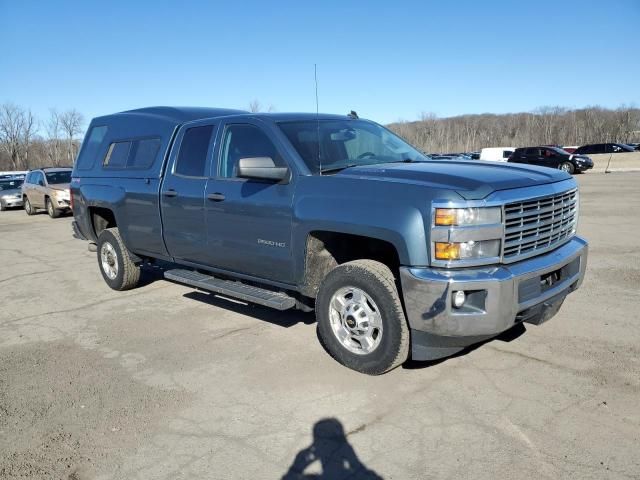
(400, 256)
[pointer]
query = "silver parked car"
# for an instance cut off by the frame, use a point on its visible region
(47, 188)
(10, 192)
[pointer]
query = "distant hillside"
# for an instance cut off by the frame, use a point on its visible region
(547, 125)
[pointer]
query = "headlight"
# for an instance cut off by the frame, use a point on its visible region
(467, 250)
(468, 216)
(61, 194)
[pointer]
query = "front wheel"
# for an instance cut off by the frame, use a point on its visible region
(51, 210)
(118, 269)
(567, 167)
(360, 317)
(28, 208)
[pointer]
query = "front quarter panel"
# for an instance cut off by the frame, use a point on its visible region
(391, 211)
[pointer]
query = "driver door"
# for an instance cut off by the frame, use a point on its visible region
(249, 221)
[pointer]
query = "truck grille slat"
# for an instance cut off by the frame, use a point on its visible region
(534, 226)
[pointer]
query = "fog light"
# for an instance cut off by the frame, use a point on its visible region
(458, 298)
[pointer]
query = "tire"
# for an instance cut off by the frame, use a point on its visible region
(114, 261)
(51, 210)
(567, 167)
(28, 208)
(390, 342)
(2, 207)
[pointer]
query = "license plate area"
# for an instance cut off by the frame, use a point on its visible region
(537, 285)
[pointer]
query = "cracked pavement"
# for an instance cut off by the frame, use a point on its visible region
(164, 382)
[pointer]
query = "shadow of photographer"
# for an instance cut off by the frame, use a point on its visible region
(331, 451)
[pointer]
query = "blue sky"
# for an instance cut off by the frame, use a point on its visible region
(388, 60)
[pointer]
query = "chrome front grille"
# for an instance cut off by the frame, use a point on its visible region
(535, 226)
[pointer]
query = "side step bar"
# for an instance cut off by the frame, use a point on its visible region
(248, 293)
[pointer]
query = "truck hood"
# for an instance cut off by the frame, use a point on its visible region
(473, 180)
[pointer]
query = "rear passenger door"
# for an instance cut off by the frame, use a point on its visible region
(182, 192)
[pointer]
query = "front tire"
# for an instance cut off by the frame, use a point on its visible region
(360, 317)
(28, 208)
(119, 271)
(51, 210)
(567, 167)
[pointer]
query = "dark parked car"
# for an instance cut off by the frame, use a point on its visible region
(552, 157)
(635, 146)
(603, 148)
(399, 255)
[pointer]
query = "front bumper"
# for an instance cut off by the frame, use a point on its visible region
(61, 204)
(584, 167)
(12, 202)
(498, 297)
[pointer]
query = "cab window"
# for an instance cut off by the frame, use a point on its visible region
(192, 159)
(245, 141)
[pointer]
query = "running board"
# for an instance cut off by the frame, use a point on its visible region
(241, 291)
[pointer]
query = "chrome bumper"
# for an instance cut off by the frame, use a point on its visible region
(498, 297)
(12, 202)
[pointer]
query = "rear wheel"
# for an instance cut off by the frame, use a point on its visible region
(51, 210)
(28, 208)
(567, 167)
(360, 318)
(119, 271)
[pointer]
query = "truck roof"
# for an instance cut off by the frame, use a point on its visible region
(179, 115)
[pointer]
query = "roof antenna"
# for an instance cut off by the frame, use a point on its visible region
(315, 75)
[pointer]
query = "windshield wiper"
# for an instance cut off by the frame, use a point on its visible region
(337, 169)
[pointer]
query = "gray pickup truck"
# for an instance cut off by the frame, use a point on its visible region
(400, 256)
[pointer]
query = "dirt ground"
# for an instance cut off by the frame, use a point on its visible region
(164, 382)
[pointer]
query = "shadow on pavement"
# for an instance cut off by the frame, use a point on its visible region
(287, 318)
(506, 336)
(332, 453)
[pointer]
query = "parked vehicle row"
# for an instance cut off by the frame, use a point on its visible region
(10, 192)
(552, 157)
(43, 188)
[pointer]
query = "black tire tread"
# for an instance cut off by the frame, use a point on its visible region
(131, 271)
(572, 169)
(383, 274)
(56, 212)
(31, 210)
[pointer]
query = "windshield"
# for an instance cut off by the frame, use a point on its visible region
(559, 150)
(58, 177)
(337, 144)
(10, 184)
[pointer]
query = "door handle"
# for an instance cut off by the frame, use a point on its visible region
(216, 197)
(170, 193)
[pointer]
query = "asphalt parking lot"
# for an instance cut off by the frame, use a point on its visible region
(164, 382)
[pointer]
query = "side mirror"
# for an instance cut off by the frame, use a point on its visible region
(261, 168)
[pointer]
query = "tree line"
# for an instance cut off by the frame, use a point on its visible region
(28, 142)
(544, 126)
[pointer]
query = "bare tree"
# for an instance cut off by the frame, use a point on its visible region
(71, 123)
(54, 142)
(17, 130)
(254, 106)
(546, 125)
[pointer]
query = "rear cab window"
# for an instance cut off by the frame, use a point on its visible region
(192, 158)
(138, 154)
(91, 147)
